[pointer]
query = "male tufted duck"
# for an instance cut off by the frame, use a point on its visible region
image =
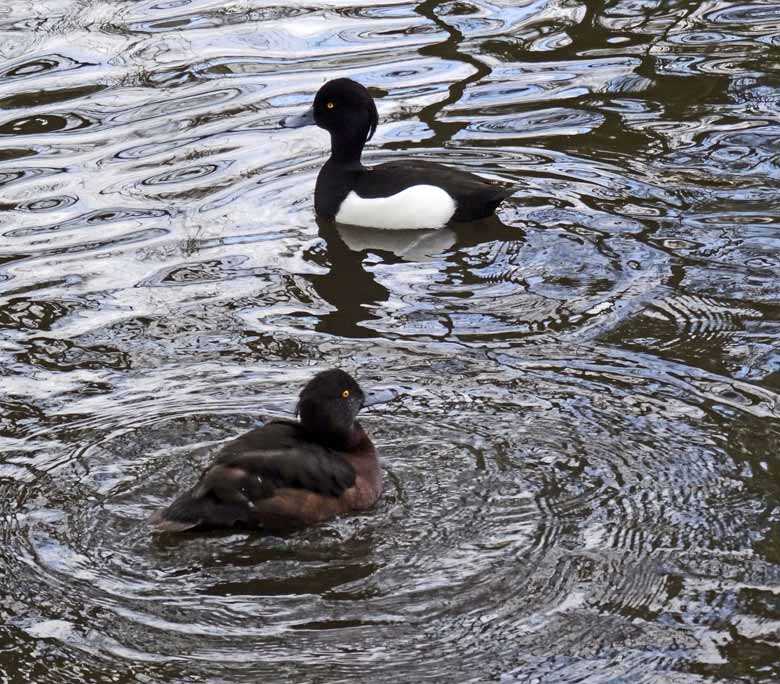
(401, 194)
(288, 474)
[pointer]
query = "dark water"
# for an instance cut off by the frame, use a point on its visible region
(582, 474)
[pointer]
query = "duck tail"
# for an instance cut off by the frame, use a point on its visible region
(503, 192)
(195, 509)
(222, 498)
(185, 513)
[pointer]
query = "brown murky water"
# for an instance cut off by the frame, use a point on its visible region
(582, 468)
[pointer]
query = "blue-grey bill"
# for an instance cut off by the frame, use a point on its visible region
(380, 396)
(298, 120)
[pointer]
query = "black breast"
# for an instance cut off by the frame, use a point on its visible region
(334, 183)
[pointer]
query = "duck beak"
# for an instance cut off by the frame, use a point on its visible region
(380, 396)
(298, 120)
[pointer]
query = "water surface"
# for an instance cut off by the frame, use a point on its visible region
(582, 475)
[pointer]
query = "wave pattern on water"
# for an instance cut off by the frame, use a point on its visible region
(581, 469)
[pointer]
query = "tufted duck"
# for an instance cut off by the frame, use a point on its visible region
(288, 474)
(401, 194)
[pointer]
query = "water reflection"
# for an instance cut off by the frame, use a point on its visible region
(581, 467)
(348, 286)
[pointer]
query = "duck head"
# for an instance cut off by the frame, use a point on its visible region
(346, 110)
(329, 403)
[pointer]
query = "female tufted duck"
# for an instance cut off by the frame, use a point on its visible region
(288, 474)
(402, 194)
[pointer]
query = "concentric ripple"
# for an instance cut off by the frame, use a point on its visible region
(488, 489)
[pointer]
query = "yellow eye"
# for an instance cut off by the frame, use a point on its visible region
(345, 393)
(330, 105)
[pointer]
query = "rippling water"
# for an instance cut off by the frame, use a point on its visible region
(582, 467)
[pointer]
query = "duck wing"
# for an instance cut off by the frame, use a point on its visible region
(281, 454)
(251, 468)
(474, 196)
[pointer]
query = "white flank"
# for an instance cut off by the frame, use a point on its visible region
(421, 206)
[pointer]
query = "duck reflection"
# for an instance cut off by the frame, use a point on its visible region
(423, 245)
(408, 245)
(348, 287)
(351, 288)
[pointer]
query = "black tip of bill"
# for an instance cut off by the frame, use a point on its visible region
(298, 120)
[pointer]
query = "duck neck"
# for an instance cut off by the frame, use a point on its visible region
(343, 441)
(346, 146)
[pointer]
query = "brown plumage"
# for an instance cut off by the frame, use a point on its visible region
(287, 474)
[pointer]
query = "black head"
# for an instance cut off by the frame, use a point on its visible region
(347, 111)
(329, 403)
(345, 104)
